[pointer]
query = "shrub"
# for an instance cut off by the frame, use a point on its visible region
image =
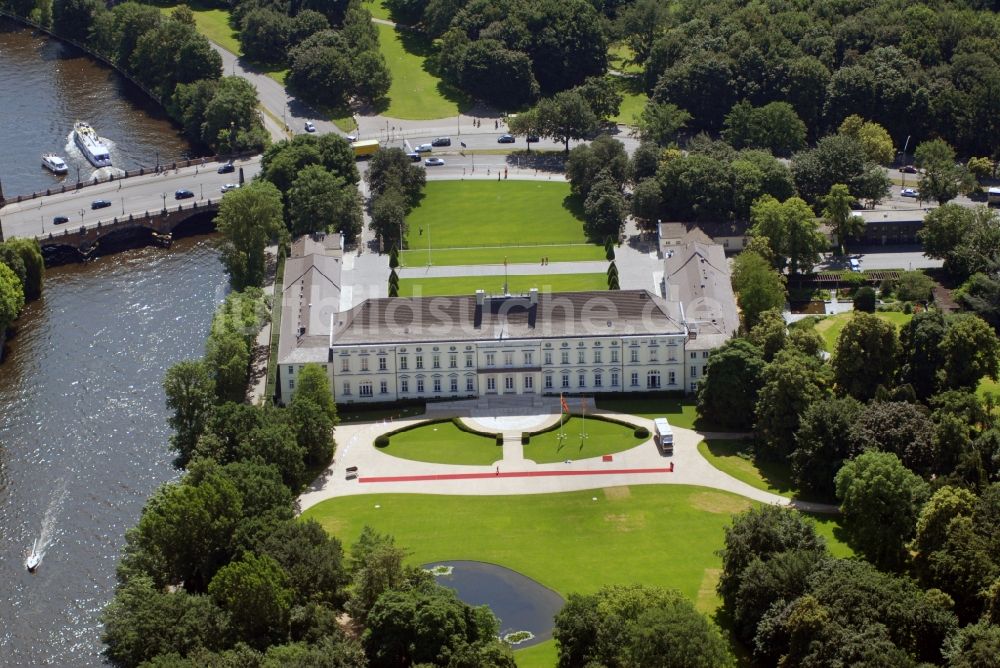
(864, 300)
(525, 438)
(461, 426)
(641, 432)
(382, 440)
(499, 439)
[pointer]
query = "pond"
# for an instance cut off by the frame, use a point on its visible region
(520, 603)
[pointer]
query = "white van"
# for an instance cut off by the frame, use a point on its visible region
(664, 436)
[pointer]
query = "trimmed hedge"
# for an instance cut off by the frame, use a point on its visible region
(499, 439)
(641, 432)
(461, 426)
(382, 440)
(525, 438)
(603, 418)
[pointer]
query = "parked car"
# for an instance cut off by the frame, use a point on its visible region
(310, 127)
(351, 137)
(433, 162)
(424, 148)
(505, 139)
(100, 204)
(855, 264)
(227, 168)
(183, 194)
(59, 220)
(532, 139)
(441, 141)
(229, 186)
(414, 157)
(908, 169)
(909, 192)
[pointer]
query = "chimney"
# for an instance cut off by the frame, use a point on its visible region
(480, 297)
(533, 296)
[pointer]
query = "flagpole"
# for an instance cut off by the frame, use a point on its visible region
(583, 428)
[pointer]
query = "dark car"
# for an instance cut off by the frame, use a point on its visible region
(227, 168)
(441, 141)
(505, 139)
(100, 204)
(908, 169)
(59, 220)
(532, 139)
(183, 194)
(414, 157)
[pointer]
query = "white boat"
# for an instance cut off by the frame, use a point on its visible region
(90, 144)
(54, 163)
(31, 563)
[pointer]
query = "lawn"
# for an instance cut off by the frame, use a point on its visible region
(444, 443)
(213, 23)
(661, 535)
(603, 438)
(463, 214)
(679, 411)
(730, 457)
(618, 54)
(416, 93)
(988, 385)
(467, 285)
(829, 328)
(377, 9)
(633, 100)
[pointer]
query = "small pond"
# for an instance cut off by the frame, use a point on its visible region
(520, 603)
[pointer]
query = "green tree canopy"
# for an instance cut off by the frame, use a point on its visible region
(254, 591)
(11, 297)
(758, 287)
(249, 219)
(790, 384)
(190, 390)
(865, 356)
(823, 443)
(727, 395)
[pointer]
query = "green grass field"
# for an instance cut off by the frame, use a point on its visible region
(680, 412)
(603, 438)
(728, 457)
(618, 54)
(211, 22)
(663, 535)
(495, 255)
(467, 285)
(829, 328)
(633, 100)
(416, 93)
(443, 443)
(377, 9)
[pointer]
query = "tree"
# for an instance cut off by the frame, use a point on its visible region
(792, 230)
(254, 591)
(789, 384)
(770, 334)
(232, 113)
(72, 18)
(822, 444)
(838, 159)
(703, 83)
(312, 560)
(865, 356)
(371, 76)
(264, 35)
(980, 168)
(321, 70)
(659, 122)
(388, 219)
(603, 96)
(391, 169)
(931, 533)
(647, 199)
(914, 286)
(319, 200)
(973, 646)
(865, 300)
(874, 139)
(27, 255)
(525, 124)
(769, 581)
(696, 187)
(920, 352)
(727, 395)
(424, 625)
(142, 622)
(227, 359)
(605, 157)
(313, 430)
(565, 116)
(775, 127)
(758, 287)
(249, 219)
(11, 297)
(899, 427)
(376, 566)
(313, 384)
(880, 500)
(942, 178)
(969, 352)
(944, 231)
(837, 213)
(190, 391)
(604, 209)
(275, 443)
(493, 73)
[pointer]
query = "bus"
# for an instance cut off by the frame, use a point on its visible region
(664, 436)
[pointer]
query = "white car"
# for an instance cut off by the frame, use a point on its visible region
(351, 137)
(434, 162)
(310, 127)
(423, 148)
(229, 186)
(909, 192)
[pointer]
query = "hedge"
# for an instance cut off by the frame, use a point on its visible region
(603, 418)
(382, 440)
(461, 426)
(525, 438)
(641, 432)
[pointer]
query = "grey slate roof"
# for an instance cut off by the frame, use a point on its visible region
(310, 297)
(395, 320)
(697, 275)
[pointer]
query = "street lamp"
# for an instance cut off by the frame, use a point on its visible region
(123, 206)
(164, 196)
(202, 186)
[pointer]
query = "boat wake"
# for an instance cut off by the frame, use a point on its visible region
(49, 523)
(87, 171)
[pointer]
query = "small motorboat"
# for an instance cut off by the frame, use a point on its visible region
(31, 563)
(54, 163)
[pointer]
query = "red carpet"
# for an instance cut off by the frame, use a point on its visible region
(505, 474)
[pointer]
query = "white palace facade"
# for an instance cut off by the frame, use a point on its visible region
(392, 349)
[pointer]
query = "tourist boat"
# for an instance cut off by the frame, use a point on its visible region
(54, 163)
(90, 144)
(31, 563)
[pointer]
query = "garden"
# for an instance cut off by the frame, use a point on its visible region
(581, 438)
(442, 442)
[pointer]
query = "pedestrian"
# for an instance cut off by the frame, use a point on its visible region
(496, 124)
(498, 176)
(505, 172)
(498, 471)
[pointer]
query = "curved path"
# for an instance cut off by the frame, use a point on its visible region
(642, 465)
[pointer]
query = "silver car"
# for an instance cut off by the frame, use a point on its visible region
(424, 148)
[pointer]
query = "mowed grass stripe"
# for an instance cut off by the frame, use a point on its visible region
(463, 214)
(444, 443)
(415, 93)
(495, 255)
(467, 285)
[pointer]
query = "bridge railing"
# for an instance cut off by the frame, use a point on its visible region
(122, 222)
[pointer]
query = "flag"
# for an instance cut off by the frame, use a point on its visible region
(563, 404)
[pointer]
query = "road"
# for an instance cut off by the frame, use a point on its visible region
(134, 195)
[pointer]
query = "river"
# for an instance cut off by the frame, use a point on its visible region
(83, 433)
(44, 87)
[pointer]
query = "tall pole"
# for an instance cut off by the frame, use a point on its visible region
(428, 244)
